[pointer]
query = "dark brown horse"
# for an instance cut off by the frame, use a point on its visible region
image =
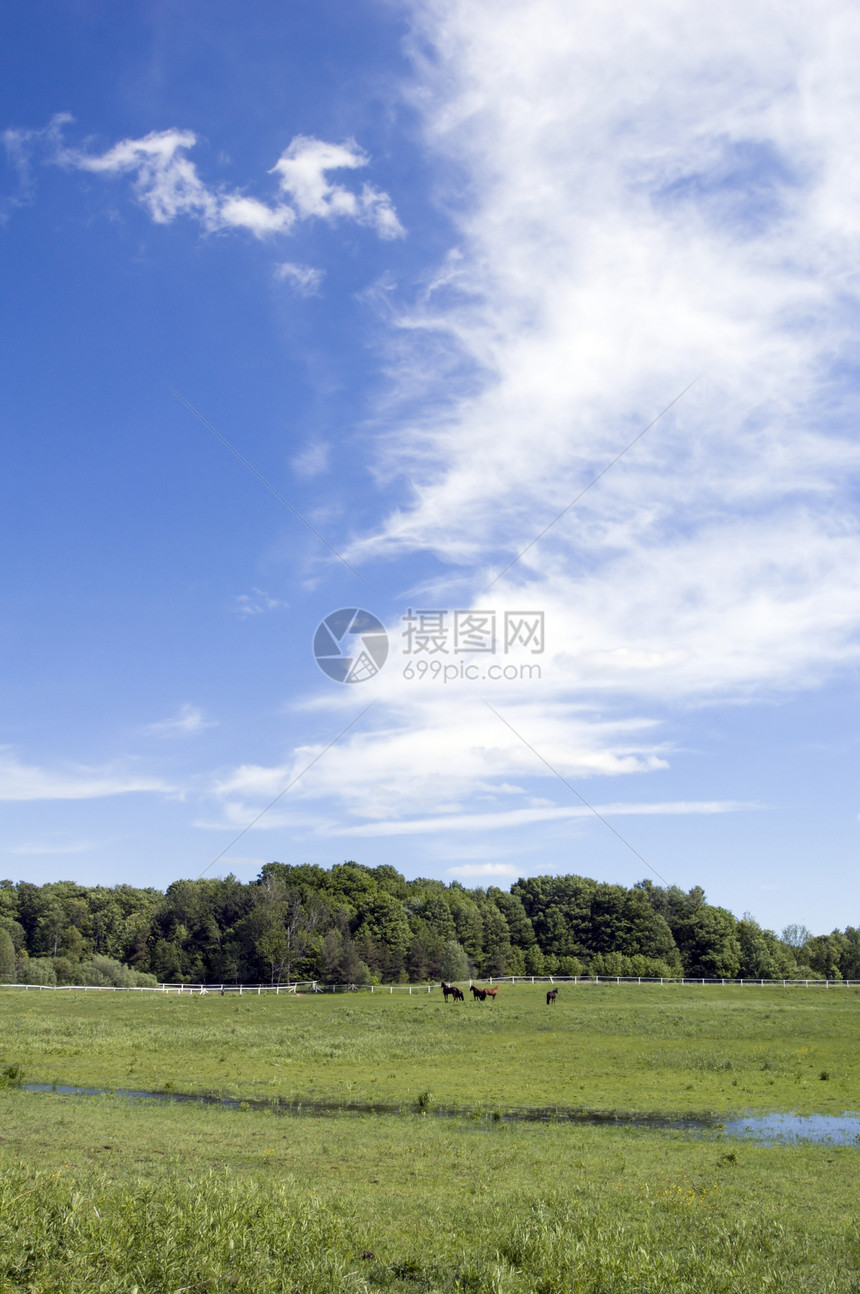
(453, 990)
(551, 996)
(479, 994)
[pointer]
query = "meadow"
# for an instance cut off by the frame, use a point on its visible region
(106, 1194)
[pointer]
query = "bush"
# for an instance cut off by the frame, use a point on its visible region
(36, 970)
(105, 972)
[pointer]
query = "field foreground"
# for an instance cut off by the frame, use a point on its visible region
(104, 1194)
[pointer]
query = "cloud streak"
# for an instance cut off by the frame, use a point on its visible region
(169, 186)
(23, 782)
(188, 720)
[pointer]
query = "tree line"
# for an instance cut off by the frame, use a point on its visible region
(357, 924)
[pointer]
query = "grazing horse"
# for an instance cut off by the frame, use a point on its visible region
(458, 993)
(551, 996)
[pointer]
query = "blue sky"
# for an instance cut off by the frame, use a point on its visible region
(429, 269)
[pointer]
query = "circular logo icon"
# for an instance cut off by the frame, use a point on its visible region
(350, 645)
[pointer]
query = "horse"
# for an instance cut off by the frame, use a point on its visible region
(491, 992)
(452, 989)
(480, 994)
(551, 996)
(458, 993)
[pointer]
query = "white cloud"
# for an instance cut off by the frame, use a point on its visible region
(648, 201)
(505, 820)
(22, 782)
(257, 603)
(20, 144)
(313, 460)
(486, 871)
(168, 184)
(188, 719)
(302, 170)
(303, 279)
(35, 848)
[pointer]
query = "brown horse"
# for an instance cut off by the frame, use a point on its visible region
(551, 996)
(492, 992)
(479, 994)
(453, 990)
(458, 993)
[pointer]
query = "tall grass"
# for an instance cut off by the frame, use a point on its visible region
(75, 1234)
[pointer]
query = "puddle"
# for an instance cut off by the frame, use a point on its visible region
(789, 1129)
(765, 1129)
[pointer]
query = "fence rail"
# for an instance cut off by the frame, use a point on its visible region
(314, 986)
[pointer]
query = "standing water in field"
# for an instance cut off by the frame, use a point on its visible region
(767, 1129)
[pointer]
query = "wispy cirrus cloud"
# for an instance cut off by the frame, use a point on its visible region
(637, 203)
(257, 603)
(37, 848)
(648, 202)
(20, 145)
(303, 279)
(504, 820)
(313, 460)
(168, 185)
(21, 782)
(189, 719)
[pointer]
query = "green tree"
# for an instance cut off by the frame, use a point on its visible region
(7, 957)
(496, 941)
(455, 963)
(824, 954)
(763, 956)
(850, 962)
(709, 944)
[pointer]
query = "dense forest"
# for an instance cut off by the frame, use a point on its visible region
(357, 924)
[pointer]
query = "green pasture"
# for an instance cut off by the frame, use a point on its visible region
(104, 1195)
(627, 1048)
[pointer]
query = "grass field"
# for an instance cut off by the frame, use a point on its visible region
(613, 1047)
(102, 1194)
